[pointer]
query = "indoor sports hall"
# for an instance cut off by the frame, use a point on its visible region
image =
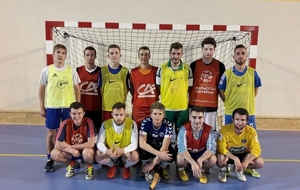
(268, 28)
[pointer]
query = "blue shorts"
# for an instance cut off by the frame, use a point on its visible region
(197, 155)
(251, 120)
(55, 115)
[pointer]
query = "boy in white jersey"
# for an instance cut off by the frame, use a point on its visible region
(58, 84)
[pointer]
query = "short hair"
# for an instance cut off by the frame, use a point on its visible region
(89, 48)
(240, 111)
(240, 46)
(118, 106)
(209, 40)
(144, 48)
(59, 46)
(113, 46)
(197, 109)
(157, 105)
(76, 105)
(175, 45)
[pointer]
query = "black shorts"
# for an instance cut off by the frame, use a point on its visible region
(240, 156)
(96, 116)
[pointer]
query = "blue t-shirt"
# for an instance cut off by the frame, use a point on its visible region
(155, 136)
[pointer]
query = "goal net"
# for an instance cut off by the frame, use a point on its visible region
(158, 37)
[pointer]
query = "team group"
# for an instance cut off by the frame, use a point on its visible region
(90, 102)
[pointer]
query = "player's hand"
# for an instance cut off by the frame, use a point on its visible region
(109, 152)
(118, 151)
(245, 164)
(238, 165)
(43, 112)
(148, 167)
(164, 155)
(196, 170)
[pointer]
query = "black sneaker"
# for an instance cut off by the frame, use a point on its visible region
(49, 166)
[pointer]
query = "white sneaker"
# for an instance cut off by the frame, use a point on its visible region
(241, 176)
(222, 177)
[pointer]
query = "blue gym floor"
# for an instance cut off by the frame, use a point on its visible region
(22, 159)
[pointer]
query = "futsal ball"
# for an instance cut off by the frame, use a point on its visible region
(149, 176)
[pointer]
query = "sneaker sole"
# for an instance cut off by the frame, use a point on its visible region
(48, 170)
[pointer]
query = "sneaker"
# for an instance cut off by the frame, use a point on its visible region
(189, 167)
(142, 174)
(203, 178)
(76, 165)
(241, 176)
(222, 177)
(253, 172)
(155, 180)
(126, 172)
(111, 172)
(49, 166)
(89, 173)
(70, 171)
(182, 175)
(207, 171)
(165, 173)
(228, 170)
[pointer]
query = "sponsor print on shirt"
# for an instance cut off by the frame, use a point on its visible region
(89, 88)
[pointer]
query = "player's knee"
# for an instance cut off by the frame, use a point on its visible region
(259, 162)
(51, 133)
(55, 154)
(88, 153)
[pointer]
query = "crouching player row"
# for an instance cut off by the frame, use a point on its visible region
(118, 140)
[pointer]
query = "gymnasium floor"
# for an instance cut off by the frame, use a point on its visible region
(22, 158)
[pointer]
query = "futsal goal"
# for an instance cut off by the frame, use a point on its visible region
(158, 37)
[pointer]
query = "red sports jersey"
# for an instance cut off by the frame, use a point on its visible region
(205, 89)
(194, 145)
(90, 93)
(145, 91)
(78, 136)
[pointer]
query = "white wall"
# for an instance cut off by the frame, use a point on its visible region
(22, 41)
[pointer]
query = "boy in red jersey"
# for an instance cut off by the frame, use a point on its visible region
(207, 72)
(142, 86)
(196, 146)
(90, 75)
(75, 140)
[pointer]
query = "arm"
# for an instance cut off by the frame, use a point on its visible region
(163, 152)
(77, 93)
(42, 89)
(222, 87)
(190, 79)
(222, 95)
(182, 148)
(131, 85)
(101, 140)
(134, 141)
(210, 147)
(89, 144)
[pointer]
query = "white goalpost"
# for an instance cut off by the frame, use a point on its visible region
(158, 37)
